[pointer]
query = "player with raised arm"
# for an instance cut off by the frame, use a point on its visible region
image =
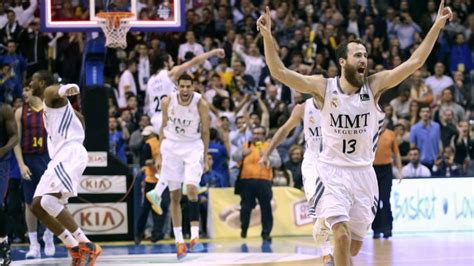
(350, 123)
(161, 85)
(65, 128)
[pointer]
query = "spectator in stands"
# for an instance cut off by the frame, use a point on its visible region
(448, 103)
(419, 91)
(253, 59)
(463, 145)
(68, 63)
(9, 86)
(255, 181)
(143, 68)
(401, 104)
(117, 139)
(454, 26)
(35, 48)
(425, 135)
(447, 126)
(461, 55)
(189, 46)
(25, 16)
(3, 19)
(415, 168)
(220, 157)
(390, 117)
(414, 113)
(241, 81)
(445, 165)
(15, 60)
(12, 30)
(294, 165)
(127, 84)
(462, 93)
(438, 82)
(405, 30)
(136, 139)
(403, 140)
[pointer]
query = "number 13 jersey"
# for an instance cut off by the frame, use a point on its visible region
(350, 125)
(184, 122)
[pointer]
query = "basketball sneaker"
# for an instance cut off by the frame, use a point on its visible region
(181, 250)
(155, 201)
(34, 252)
(89, 252)
(74, 252)
(320, 232)
(328, 260)
(195, 245)
(49, 248)
(5, 259)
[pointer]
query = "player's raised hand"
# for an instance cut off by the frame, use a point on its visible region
(68, 90)
(264, 23)
(444, 13)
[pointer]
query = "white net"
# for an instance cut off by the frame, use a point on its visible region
(115, 28)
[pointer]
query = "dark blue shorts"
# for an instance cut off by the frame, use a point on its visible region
(37, 164)
(4, 177)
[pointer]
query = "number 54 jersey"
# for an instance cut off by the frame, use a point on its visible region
(184, 122)
(350, 125)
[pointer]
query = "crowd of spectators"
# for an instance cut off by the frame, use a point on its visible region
(430, 112)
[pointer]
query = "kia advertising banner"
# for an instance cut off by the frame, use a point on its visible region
(103, 184)
(101, 218)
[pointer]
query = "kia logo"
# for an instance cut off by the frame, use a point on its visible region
(99, 219)
(96, 184)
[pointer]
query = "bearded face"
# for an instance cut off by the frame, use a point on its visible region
(355, 75)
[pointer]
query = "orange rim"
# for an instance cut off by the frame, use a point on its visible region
(112, 15)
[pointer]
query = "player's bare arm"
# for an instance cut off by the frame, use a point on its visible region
(24, 170)
(203, 109)
(176, 71)
(10, 127)
(314, 85)
(385, 80)
(164, 112)
(295, 119)
(55, 96)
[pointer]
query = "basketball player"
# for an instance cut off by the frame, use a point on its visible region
(65, 131)
(350, 122)
(311, 117)
(8, 140)
(160, 85)
(184, 138)
(32, 156)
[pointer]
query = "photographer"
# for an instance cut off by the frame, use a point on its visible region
(256, 181)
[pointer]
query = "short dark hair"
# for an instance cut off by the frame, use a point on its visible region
(159, 61)
(260, 127)
(47, 77)
(414, 149)
(185, 76)
(341, 49)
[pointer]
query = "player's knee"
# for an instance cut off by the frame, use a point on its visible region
(341, 233)
(51, 205)
(192, 193)
(36, 206)
(175, 197)
(355, 250)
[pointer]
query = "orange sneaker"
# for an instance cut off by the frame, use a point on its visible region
(181, 250)
(195, 245)
(89, 253)
(74, 252)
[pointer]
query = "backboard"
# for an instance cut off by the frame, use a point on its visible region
(80, 15)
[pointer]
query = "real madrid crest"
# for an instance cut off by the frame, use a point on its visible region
(334, 102)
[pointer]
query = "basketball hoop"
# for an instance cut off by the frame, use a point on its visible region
(115, 26)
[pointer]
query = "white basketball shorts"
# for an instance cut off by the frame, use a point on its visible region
(156, 121)
(310, 175)
(64, 172)
(348, 192)
(182, 162)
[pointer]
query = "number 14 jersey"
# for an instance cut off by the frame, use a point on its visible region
(350, 125)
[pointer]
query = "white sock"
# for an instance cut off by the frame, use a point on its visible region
(5, 239)
(194, 232)
(326, 248)
(80, 236)
(161, 185)
(178, 234)
(33, 236)
(68, 240)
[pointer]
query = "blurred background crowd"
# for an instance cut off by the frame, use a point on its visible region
(239, 89)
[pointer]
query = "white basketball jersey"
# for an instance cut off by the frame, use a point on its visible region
(184, 122)
(350, 126)
(63, 127)
(312, 129)
(159, 86)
